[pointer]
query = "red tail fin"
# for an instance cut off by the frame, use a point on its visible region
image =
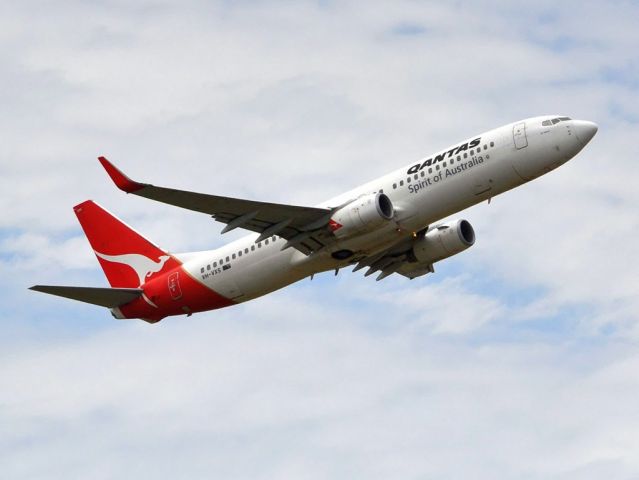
(127, 258)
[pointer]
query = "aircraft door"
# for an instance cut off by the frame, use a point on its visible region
(174, 286)
(519, 135)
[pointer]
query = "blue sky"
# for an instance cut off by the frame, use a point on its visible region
(517, 356)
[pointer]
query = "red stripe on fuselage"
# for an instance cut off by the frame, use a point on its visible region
(173, 293)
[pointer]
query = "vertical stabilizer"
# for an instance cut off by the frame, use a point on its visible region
(127, 258)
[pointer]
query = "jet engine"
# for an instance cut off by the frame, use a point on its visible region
(443, 241)
(363, 215)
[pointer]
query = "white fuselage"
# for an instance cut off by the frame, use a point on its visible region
(502, 159)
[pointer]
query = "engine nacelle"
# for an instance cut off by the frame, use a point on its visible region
(362, 215)
(443, 241)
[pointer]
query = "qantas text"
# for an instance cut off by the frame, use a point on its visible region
(442, 156)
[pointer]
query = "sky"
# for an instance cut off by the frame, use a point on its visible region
(518, 357)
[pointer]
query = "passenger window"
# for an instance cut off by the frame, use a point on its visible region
(415, 176)
(273, 239)
(202, 270)
(208, 267)
(465, 155)
(221, 262)
(492, 144)
(227, 260)
(394, 185)
(214, 264)
(401, 183)
(266, 242)
(430, 170)
(444, 165)
(472, 152)
(485, 147)
(381, 191)
(436, 167)
(458, 158)
(259, 245)
(252, 248)
(246, 250)
(408, 180)
(239, 254)
(423, 174)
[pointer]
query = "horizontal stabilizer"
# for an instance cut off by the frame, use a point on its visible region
(105, 297)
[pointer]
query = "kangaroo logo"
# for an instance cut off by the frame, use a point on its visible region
(143, 266)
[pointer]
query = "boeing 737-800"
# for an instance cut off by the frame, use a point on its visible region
(393, 224)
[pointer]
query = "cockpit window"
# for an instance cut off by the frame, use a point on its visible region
(554, 121)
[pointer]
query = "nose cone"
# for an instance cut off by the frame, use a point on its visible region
(584, 130)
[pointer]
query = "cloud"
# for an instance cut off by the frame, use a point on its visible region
(266, 396)
(445, 307)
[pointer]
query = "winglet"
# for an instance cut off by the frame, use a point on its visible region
(120, 179)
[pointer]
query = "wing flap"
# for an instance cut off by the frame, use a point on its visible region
(395, 259)
(104, 297)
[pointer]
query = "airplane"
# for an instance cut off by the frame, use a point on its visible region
(392, 225)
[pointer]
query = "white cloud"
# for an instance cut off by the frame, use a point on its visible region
(445, 307)
(271, 395)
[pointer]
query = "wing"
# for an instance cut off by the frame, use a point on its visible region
(305, 228)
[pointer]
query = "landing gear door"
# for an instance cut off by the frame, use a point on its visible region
(519, 135)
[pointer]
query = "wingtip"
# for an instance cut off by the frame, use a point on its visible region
(121, 181)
